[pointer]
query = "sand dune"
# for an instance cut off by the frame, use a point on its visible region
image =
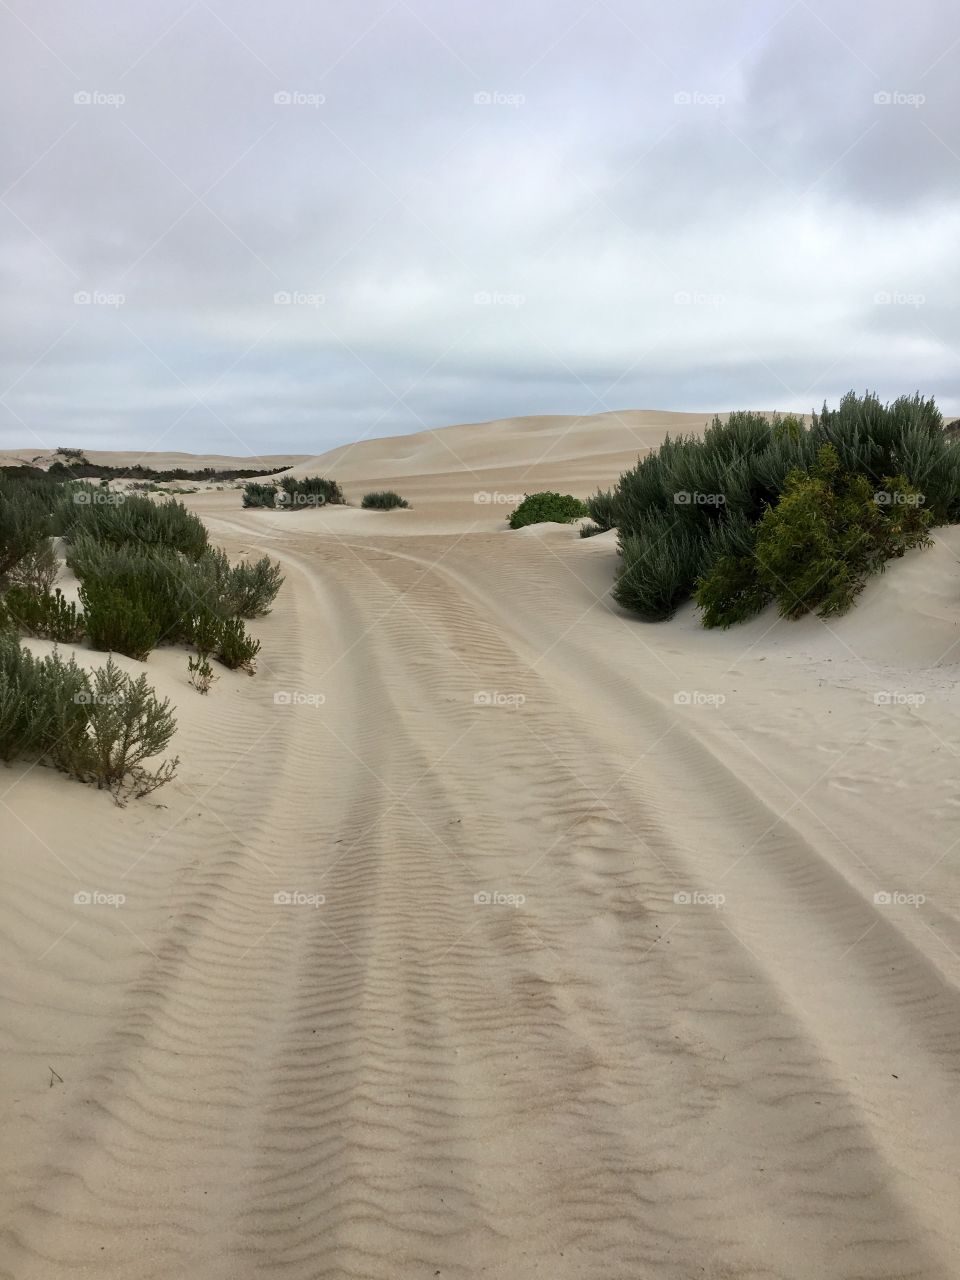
(703, 1020)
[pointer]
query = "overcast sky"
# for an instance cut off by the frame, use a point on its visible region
(282, 225)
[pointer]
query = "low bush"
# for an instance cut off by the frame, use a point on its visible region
(308, 491)
(539, 507)
(99, 728)
(38, 569)
(233, 647)
(694, 516)
(24, 523)
(119, 519)
(118, 624)
(259, 495)
(602, 509)
(383, 500)
(38, 613)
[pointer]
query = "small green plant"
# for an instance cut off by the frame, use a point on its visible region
(602, 509)
(233, 647)
(38, 613)
(539, 507)
(38, 569)
(383, 500)
(201, 672)
(98, 728)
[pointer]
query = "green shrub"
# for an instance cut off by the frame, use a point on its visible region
(126, 725)
(118, 519)
(384, 500)
(38, 569)
(591, 530)
(602, 509)
(828, 533)
(711, 496)
(38, 613)
(259, 495)
(96, 729)
(308, 491)
(539, 507)
(24, 523)
(233, 647)
(244, 590)
(118, 624)
(658, 568)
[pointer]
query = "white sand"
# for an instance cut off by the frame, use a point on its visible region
(600, 1082)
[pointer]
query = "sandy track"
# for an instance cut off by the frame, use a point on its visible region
(598, 1082)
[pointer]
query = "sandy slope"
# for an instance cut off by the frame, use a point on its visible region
(601, 1080)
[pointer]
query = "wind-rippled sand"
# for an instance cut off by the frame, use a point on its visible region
(601, 950)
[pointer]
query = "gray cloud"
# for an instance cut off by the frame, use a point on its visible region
(473, 212)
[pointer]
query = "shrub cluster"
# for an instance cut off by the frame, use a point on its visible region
(291, 493)
(99, 728)
(538, 507)
(731, 516)
(120, 519)
(38, 613)
(384, 500)
(136, 596)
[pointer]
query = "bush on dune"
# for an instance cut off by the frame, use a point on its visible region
(99, 728)
(536, 508)
(24, 524)
(383, 500)
(762, 510)
(38, 613)
(120, 519)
